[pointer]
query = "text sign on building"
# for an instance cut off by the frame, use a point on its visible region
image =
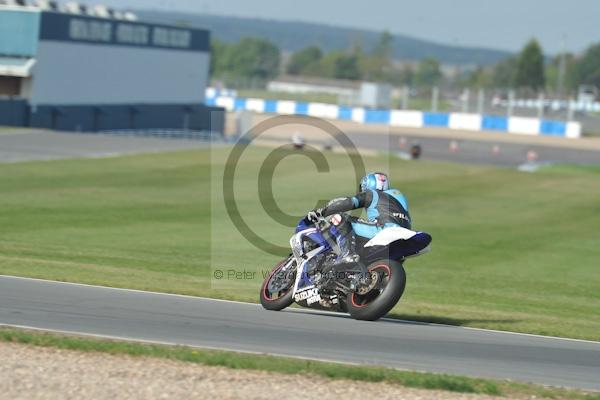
(96, 31)
(66, 27)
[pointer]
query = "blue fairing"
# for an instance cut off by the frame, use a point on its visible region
(302, 225)
(304, 278)
(412, 246)
(316, 237)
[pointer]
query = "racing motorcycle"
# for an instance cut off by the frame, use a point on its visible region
(304, 277)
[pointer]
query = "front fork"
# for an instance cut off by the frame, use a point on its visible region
(335, 229)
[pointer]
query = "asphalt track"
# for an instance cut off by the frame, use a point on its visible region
(465, 151)
(48, 145)
(247, 327)
(470, 147)
(476, 151)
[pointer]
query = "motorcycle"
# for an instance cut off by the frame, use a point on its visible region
(304, 278)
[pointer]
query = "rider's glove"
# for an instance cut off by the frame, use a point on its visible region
(314, 215)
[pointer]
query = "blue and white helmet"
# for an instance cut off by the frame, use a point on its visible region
(374, 181)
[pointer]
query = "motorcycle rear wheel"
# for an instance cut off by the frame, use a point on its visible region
(379, 301)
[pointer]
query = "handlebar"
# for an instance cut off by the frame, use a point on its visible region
(322, 223)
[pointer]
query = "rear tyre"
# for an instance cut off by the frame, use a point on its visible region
(379, 301)
(276, 290)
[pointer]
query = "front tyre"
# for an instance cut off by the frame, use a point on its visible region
(276, 290)
(379, 301)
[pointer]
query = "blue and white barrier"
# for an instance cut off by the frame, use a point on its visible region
(402, 118)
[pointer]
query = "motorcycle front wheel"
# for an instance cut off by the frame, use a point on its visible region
(383, 297)
(276, 290)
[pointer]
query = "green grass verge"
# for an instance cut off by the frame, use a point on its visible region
(511, 251)
(13, 129)
(591, 134)
(286, 365)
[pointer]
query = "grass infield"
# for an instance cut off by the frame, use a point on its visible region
(511, 251)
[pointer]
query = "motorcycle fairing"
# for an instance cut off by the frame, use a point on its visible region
(303, 281)
(397, 243)
(388, 235)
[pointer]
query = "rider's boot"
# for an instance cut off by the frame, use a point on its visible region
(347, 256)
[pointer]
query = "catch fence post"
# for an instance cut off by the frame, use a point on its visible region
(480, 100)
(465, 100)
(570, 109)
(540, 105)
(510, 103)
(435, 92)
(405, 93)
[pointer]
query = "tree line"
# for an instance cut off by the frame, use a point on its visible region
(256, 58)
(252, 58)
(530, 69)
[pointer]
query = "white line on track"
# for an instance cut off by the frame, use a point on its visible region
(302, 310)
(164, 343)
(129, 290)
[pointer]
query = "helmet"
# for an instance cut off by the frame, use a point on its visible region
(374, 181)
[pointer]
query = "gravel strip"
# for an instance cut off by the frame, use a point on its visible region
(28, 372)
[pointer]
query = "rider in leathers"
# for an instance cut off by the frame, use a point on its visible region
(385, 208)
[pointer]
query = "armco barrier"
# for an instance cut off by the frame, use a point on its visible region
(403, 118)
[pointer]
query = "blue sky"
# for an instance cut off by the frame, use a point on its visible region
(500, 24)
